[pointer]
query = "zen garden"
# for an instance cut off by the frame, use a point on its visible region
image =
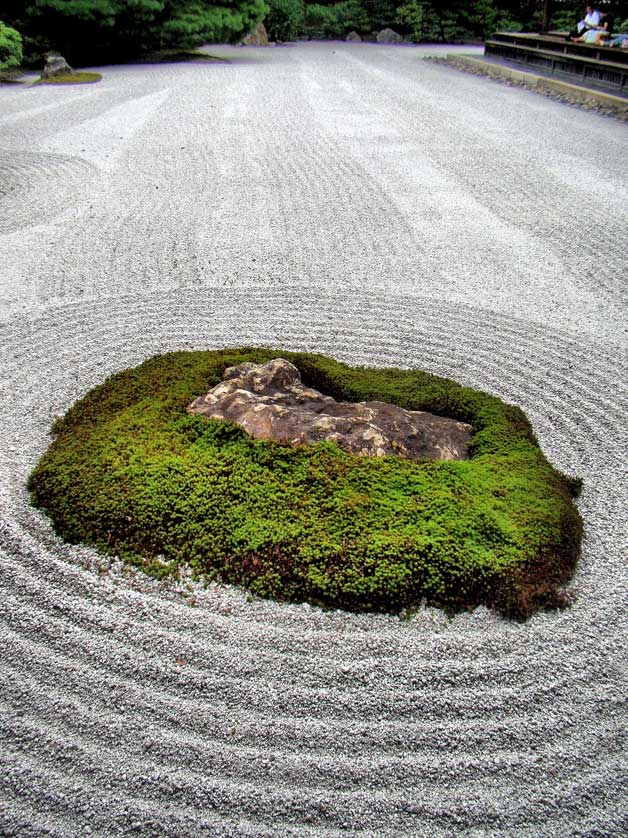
(314, 417)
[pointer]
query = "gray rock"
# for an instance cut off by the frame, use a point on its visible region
(353, 36)
(257, 38)
(270, 402)
(55, 65)
(389, 36)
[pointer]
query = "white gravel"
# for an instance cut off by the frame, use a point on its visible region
(357, 201)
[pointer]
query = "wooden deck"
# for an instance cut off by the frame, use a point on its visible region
(581, 63)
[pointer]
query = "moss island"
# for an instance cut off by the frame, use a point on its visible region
(131, 473)
(72, 78)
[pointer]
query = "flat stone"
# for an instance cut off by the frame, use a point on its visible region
(270, 402)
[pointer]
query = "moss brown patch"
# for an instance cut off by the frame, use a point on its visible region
(72, 78)
(176, 56)
(131, 473)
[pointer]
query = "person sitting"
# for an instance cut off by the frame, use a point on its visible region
(608, 21)
(593, 37)
(620, 40)
(601, 34)
(591, 20)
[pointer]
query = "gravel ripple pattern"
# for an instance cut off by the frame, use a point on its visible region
(352, 200)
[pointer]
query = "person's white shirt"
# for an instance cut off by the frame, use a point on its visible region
(591, 21)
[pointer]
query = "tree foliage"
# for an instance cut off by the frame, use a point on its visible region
(86, 29)
(336, 21)
(94, 30)
(10, 47)
(442, 20)
(284, 20)
(418, 20)
(451, 20)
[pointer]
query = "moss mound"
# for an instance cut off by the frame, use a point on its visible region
(131, 473)
(72, 78)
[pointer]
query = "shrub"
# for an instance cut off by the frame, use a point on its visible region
(320, 21)
(450, 20)
(413, 19)
(285, 19)
(10, 47)
(380, 13)
(336, 21)
(504, 23)
(351, 16)
(564, 20)
(131, 473)
(85, 30)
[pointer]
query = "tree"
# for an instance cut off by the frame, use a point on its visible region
(10, 47)
(451, 20)
(285, 19)
(86, 29)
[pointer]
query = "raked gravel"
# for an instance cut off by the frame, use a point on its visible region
(357, 201)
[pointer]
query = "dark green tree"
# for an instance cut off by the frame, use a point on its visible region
(452, 20)
(86, 29)
(381, 13)
(337, 20)
(285, 19)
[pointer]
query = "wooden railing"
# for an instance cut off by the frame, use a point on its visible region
(581, 63)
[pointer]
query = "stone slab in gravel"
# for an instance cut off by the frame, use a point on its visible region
(352, 200)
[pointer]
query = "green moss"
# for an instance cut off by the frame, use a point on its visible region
(170, 56)
(72, 78)
(131, 473)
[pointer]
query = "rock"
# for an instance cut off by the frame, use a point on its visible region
(353, 36)
(257, 38)
(56, 65)
(389, 36)
(270, 402)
